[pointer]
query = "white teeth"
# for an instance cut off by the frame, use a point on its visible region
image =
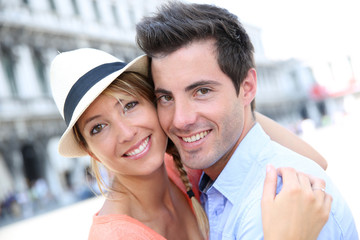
(139, 149)
(196, 137)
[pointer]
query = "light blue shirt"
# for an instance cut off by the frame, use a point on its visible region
(232, 202)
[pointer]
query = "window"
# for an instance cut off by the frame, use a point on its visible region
(75, 7)
(40, 68)
(132, 16)
(115, 14)
(96, 10)
(52, 5)
(8, 62)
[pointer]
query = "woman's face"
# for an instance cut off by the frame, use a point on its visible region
(124, 133)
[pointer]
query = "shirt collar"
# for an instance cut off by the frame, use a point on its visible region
(230, 182)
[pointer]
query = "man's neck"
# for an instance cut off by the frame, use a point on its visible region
(214, 171)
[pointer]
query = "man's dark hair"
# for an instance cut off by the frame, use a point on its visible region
(177, 24)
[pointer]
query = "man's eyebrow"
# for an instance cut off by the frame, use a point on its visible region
(201, 83)
(162, 91)
(188, 88)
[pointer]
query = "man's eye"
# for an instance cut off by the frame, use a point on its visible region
(130, 106)
(97, 128)
(165, 98)
(203, 91)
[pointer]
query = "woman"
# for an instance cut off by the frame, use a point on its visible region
(110, 115)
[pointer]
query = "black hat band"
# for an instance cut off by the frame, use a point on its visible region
(85, 83)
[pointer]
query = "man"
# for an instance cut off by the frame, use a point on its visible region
(205, 81)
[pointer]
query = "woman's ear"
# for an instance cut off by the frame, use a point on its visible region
(92, 155)
(249, 86)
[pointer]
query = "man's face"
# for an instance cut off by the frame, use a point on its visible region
(197, 104)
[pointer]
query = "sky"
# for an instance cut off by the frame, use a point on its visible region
(307, 30)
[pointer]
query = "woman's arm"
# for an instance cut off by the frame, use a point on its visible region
(288, 139)
(299, 211)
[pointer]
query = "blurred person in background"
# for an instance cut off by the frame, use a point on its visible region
(110, 113)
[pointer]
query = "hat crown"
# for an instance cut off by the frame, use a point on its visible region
(63, 74)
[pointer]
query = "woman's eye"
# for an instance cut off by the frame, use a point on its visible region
(97, 128)
(130, 106)
(203, 91)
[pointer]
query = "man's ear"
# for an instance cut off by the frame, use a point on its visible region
(249, 86)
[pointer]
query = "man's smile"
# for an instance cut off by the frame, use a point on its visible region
(195, 137)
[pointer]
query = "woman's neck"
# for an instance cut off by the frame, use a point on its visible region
(155, 201)
(145, 195)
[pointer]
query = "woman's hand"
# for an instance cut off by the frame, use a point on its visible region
(299, 211)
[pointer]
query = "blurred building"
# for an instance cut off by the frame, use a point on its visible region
(283, 92)
(291, 91)
(32, 33)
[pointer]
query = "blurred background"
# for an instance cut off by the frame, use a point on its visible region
(308, 65)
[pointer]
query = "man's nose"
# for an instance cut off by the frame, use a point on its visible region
(184, 115)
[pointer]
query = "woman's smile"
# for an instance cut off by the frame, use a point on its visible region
(140, 149)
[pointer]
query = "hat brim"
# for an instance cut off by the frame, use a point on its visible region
(68, 145)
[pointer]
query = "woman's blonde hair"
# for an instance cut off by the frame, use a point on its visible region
(200, 214)
(138, 86)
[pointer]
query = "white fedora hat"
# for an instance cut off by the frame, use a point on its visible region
(77, 78)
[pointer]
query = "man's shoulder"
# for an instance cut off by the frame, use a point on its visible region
(279, 155)
(259, 147)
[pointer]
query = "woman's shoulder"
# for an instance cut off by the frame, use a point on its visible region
(120, 226)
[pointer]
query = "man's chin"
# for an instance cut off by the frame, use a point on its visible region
(195, 163)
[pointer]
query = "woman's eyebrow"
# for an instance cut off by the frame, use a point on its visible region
(90, 119)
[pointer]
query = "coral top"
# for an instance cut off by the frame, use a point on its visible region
(118, 226)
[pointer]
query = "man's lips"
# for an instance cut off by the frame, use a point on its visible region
(142, 146)
(195, 137)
